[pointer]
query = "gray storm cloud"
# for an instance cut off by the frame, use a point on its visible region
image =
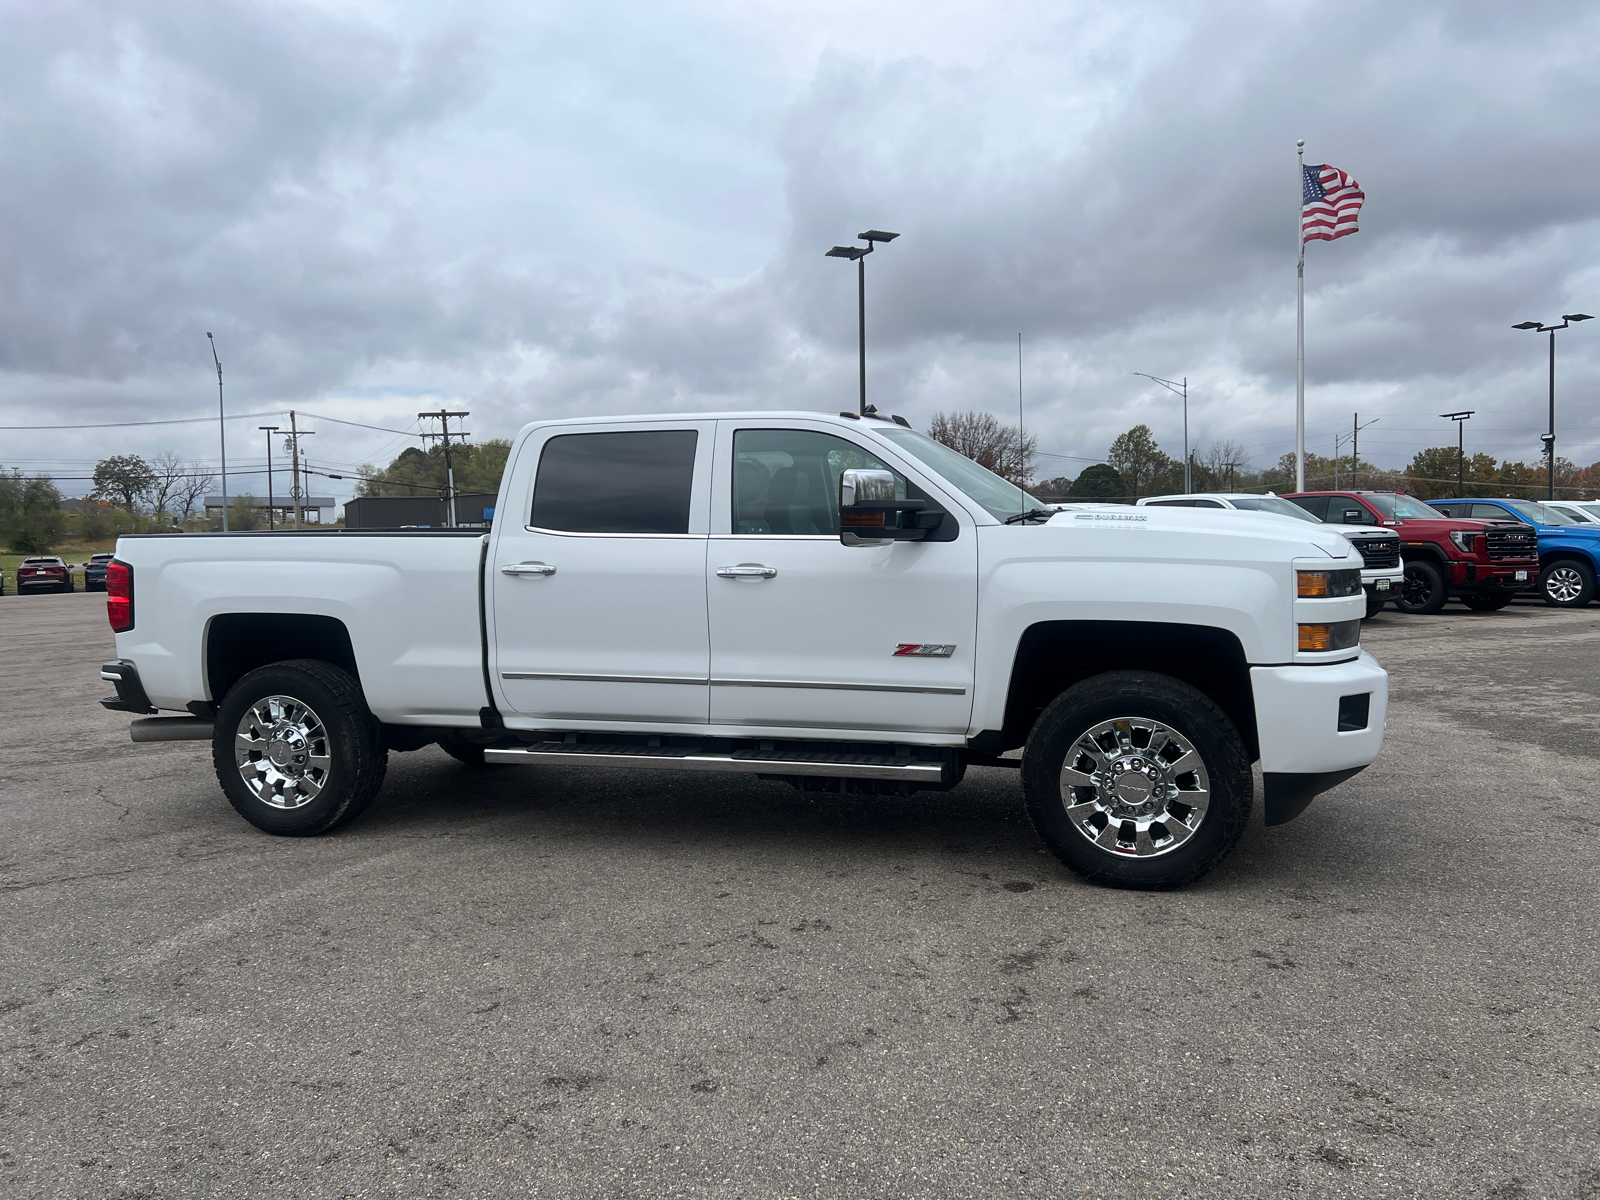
(602, 208)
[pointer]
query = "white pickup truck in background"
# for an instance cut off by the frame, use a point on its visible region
(838, 602)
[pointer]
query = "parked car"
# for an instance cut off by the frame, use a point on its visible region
(1587, 512)
(94, 572)
(840, 603)
(1569, 549)
(1483, 564)
(1381, 572)
(44, 573)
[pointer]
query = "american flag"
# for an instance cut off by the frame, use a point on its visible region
(1330, 202)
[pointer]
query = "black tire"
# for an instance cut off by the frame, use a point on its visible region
(67, 586)
(350, 741)
(1567, 583)
(1493, 602)
(1424, 589)
(1139, 695)
(1375, 604)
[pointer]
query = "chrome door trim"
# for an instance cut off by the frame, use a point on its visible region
(822, 685)
(568, 677)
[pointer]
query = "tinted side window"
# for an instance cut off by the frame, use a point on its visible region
(786, 481)
(1489, 512)
(636, 482)
(1317, 506)
(1172, 504)
(1206, 504)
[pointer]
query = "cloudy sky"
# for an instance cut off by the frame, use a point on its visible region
(533, 210)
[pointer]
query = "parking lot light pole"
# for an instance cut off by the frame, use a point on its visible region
(1549, 439)
(1178, 389)
(270, 430)
(1460, 418)
(859, 256)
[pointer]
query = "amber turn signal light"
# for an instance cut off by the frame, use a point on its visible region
(1341, 635)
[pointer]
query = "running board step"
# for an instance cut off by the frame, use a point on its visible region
(748, 762)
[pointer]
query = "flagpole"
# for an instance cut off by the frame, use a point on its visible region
(1300, 333)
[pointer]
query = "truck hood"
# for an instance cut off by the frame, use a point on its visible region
(1268, 535)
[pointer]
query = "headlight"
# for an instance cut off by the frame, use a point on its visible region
(1465, 540)
(1322, 584)
(1340, 635)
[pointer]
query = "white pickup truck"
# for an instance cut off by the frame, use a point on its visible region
(837, 602)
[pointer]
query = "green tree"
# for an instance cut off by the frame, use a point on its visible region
(245, 513)
(1432, 474)
(1099, 482)
(1138, 461)
(31, 520)
(1519, 479)
(417, 472)
(123, 478)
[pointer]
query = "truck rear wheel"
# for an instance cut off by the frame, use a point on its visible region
(1567, 583)
(1423, 590)
(1137, 780)
(296, 750)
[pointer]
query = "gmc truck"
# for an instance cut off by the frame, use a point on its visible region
(1483, 564)
(838, 603)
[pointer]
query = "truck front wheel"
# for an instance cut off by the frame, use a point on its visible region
(1423, 590)
(296, 750)
(1567, 583)
(1137, 780)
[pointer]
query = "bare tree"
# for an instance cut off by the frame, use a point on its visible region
(192, 486)
(167, 472)
(987, 441)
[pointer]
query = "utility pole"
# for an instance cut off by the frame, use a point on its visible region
(1355, 443)
(271, 516)
(221, 424)
(295, 434)
(443, 417)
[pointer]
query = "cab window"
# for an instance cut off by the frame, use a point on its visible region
(786, 481)
(627, 482)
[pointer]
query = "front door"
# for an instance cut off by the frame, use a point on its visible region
(809, 634)
(599, 595)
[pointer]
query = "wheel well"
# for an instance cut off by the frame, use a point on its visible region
(1054, 655)
(1576, 556)
(238, 643)
(1426, 552)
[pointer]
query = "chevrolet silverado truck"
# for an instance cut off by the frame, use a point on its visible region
(1484, 564)
(838, 603)
(1569, 548)
(1381, 573)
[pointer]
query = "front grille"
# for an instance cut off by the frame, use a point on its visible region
(1510, 541)
(1379, 553)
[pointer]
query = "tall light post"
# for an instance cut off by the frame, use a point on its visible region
(859, 256)
(269, 430)
(1549, 439)
(1461, 419)
(222, 429)
(1178, 389)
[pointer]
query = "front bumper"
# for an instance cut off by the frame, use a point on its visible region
(1318, 725)
(1383, 581)
(1471, 578)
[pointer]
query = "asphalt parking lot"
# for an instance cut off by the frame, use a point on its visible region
(507, 983)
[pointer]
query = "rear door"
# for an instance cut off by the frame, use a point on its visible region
(810, 635)
(598, 580)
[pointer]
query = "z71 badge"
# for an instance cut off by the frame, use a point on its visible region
(922, 650)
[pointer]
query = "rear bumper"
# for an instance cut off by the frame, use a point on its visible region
(1320, 720)
(130, 695)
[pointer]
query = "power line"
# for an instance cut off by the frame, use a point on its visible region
(128, 424)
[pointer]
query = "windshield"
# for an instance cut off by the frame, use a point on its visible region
(1002, 499)
(1272, 504)
(1537, 514)
(1402, 508)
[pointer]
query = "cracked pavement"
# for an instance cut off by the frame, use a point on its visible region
(548, 982)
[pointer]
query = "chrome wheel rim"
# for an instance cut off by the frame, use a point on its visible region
(283, 753)
(1564, 584)
(1135, 787)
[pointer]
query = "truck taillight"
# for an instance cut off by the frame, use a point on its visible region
(119, 596)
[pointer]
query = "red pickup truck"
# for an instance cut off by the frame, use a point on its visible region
(1484, 564)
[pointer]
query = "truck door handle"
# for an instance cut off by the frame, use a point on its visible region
(746, 571)
(527, 568)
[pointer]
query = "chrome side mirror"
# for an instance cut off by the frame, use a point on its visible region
(859, 487)
(870, 514)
